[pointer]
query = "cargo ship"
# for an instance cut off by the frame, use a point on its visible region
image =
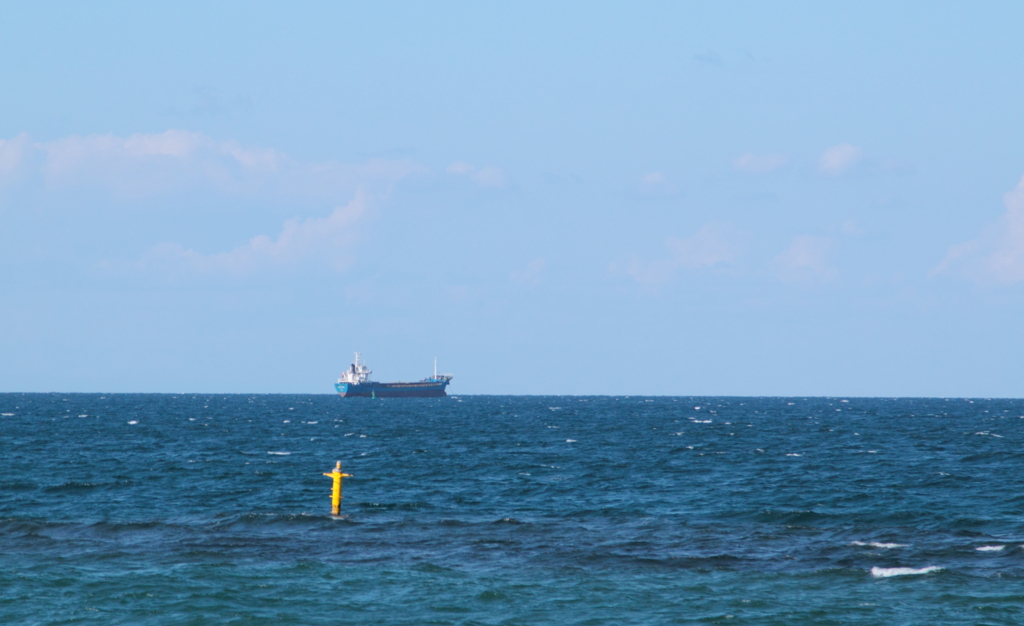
(355, 382)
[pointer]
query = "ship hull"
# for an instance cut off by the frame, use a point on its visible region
(425, 389)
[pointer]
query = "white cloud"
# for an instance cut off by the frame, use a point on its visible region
(141, 166)
(460, 167)
(70, 153)
(323, 239)
(839, 158)
(489, 176)
(997, 255)
(759, 163)
(531, 274)
(805, 261)
(713, 245)
(146, 164)
(12, 153)
(656, 183)
(852, 228)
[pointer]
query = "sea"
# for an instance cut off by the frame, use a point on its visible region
(213, 509)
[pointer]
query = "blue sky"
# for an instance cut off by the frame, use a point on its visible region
(585, 198)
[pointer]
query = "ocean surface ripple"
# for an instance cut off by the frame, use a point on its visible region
(194, 509)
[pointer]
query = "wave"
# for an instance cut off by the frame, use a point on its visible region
(255, 520)
(74, 485)
(889, 572)
(879, 544)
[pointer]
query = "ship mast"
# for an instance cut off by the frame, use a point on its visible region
(435, 367)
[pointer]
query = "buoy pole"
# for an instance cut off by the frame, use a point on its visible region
(337, 475)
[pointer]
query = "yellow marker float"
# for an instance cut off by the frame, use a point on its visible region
(336, 490)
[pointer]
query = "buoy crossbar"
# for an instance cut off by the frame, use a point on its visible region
(337, 475)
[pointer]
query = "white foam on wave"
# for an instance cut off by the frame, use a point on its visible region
(7, 414)
(888, 572)
(570, 441)
(280, 453)
(794, 454)
(989, 548)
(879, 544)
(134, 422)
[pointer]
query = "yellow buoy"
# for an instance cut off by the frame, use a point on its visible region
(336, 490)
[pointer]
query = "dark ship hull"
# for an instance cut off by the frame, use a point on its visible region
(424, 389)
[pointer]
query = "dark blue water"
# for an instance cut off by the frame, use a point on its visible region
(181, 509)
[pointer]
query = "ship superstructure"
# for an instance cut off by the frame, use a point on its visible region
(355, 382)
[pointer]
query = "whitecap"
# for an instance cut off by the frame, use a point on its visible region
(794, 454)
(83, 416)
(312, 422)
(888, 572)
(280, 453)
(134, 422)
(879, 544)
(570, 441)
(700, 421)
(989, 548)
(7, 414)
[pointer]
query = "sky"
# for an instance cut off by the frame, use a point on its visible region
(677, 198)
